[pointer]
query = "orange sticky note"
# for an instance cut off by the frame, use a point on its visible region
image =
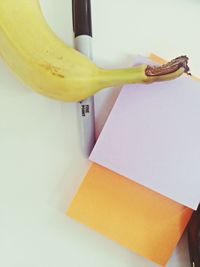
(134, 216)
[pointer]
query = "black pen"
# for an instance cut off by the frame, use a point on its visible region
(82, 27)
(194, 238)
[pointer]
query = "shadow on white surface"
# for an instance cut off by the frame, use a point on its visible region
(181, 254)
(104, 102)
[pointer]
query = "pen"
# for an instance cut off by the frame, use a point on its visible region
(194, 238)
(82, 28)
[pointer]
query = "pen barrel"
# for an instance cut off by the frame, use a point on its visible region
(86, 107)
(87, 122)
(83, 43)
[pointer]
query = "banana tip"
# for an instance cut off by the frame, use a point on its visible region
(169, 68)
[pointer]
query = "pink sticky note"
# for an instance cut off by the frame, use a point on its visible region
(152, 136)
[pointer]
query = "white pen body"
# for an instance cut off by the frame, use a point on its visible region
(83, 44)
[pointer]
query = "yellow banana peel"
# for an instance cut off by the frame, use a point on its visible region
(56, 70)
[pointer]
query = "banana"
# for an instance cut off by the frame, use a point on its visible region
(56, 70)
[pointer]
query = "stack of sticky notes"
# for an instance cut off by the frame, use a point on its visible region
(144, 181)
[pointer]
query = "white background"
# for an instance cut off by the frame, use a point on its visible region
(41, 165)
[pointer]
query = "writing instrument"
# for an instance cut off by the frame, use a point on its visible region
(194, 238)
(82, 27)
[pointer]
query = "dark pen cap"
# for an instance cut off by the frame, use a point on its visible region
(82, 24)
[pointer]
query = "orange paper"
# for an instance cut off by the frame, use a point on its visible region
(134, 216)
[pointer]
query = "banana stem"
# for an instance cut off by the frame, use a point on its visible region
(145, 73)
(109, 78)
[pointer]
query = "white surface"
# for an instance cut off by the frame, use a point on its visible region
(40, 156)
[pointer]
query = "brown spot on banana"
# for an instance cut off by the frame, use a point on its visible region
(54, 70)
